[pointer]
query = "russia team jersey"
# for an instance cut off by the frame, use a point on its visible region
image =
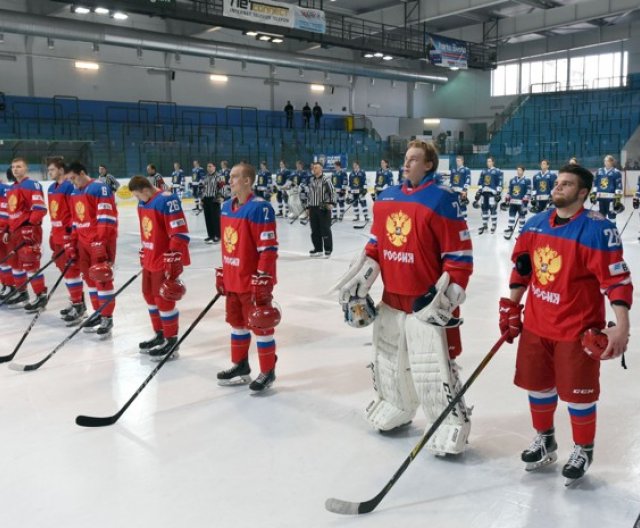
(339, 180)
(4, 215)
(249, 242)
(417, 234)
(25, 204)
(95, 216)
(573, 265)
(518, 190)
(460, 179)
(60, 210)
(608, 183)
(542, 185)
(491, 180)
(357, 181)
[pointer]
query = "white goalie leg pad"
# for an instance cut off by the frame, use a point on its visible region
(436, 382)
(396, 400)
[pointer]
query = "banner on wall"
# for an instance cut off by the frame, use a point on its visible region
(328, 160)
(276, 14)
(446, 52)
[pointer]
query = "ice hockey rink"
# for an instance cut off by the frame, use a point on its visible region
(192, 454)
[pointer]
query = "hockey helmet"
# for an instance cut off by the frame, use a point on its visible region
(172, 290)
(101, 272)
(29, 254)
(359, 311)
(264, 317)
(594, 342)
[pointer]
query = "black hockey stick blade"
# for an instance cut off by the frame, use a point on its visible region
(35, 366)
(637, 523)
(97, 421)
(361, 226)
(355, 508)
(9, 357)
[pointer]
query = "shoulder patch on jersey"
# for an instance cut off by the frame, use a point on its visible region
(465, 235)
(177, 222)
(268, 235)
(595, 215)
(618, 268)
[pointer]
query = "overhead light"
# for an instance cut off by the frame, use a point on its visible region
(82, 65)
(217, 78)
(378, 54)
(431, 122)
(50, 43)
(277, 40)
(250, 33)
(101, 11)
(387, 58)
(317, 88)
(368, 55)
(119, 15)
(264, 38)
(81, 10)
(454, 68)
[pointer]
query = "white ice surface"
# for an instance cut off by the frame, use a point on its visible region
(191, 454)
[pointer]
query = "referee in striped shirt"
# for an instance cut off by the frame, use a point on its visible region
(322, 197)
(211, 199)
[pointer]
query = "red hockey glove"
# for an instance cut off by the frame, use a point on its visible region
(261, 289)
(173, 264)
(172, 289)
(98, 252)
(141, 257)
(220, 281)
(70, 247)
(510, 318)
(27, 235)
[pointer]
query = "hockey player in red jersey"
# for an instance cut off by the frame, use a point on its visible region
(421, 247)
(6, 277)
(23, 233)
(93, 244)
(247, 278)
(59, 194)
(165, 251)
(567, 259)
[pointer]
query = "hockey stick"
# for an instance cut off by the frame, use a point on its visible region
(10, 254)
(35, 275)
(515, 226)
(366, 223)
(34, 366)
(627, 222)
(355, 508)
(637, 523)
(9, 357)
(96, 421)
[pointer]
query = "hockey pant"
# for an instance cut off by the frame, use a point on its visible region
(99, 292)
(359, 201)
(283, 200)
(23, 271)
(605, 206)
(338, 212)
(163, 313)
(488, 206)
(411, 367)
(519, 212)
(6, 277)
(237, 310)
(72, 278)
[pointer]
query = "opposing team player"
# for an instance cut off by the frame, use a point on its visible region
(607, 190)
(247, 278)
(282, 177)
(197, 177)
(340, 182)
(422, 248)
(299, 193)
(225, 172)
(384, 178)
(567, 259)
(459, 182)
(6, 277)
(541, 187)
(93, 245)
(165, 251)
(23, 234)
(358, 192)
(401, 177)
(489, 195)
(59, 195)
(263, 184)
(516, 201)
(636, 199)
(177, 180)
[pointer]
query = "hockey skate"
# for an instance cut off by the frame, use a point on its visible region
(39, 303)
(578, 463)
(263, 381)
(541, 452)
(105, 327)
(66, 310)
(7, 292)
(158, 353)
(91, 325)
(17, 299)
(236, 375)
(493, 229)
(76, 314)
(154, 342)
(482, 229)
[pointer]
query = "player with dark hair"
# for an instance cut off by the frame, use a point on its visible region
(607, 190)
(567, 259)
(282, 177)
(165, 251)
(489, 194)
(358, 192)
(541, 187)
(516, 201)
(384, 178)
(340, 182)
(459, 182)
(247, 278)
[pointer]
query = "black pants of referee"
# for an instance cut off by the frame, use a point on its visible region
(211, 209)
(320, 220)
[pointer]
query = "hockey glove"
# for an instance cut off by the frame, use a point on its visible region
(27, 235)
(618, 206)
(477, 196)
(220, 281)
(504, 206)
(436, 307)
(592, 198)
(636, 202)
(358, 279)
(98, 252)
(141, 257)
(510, 321)
(172, 264)
(498, 198)
(263, 316)
(70, 247)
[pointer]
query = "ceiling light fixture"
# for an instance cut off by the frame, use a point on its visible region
(83, 65)
(368, 55)
(250, 33)
(317, 88)
(101, 11)
(218, 78)
(81, 10)
(387, 58)
(378, 55)
(119, 15)
(264, 38)
(277, 40)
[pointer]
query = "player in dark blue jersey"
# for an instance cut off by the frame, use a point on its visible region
(459, 182)
(489, 195)
(358, 192)
(225, 172)
(384, 178)
(607, 189)
(263, 185)
(197, 177)
(516, 201)
(340, 181)
(541, 187)
(282, 177)
(177, 180)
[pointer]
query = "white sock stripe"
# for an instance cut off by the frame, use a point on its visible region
(169, 314)
(106, 293)
(240, 331)
(544, 394)
(152, 307)
(580, 406)
(265, 339)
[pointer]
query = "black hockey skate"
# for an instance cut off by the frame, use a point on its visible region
(92, 324)
(17, 299)
(541, 452)
(578, 463)
(7, 292)
(37, 304)
(76, 314)
(236, 375)
(263, 381)
(493, 229)
(154, 342)
(482, 229)
(158, 353)
(105, 327)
